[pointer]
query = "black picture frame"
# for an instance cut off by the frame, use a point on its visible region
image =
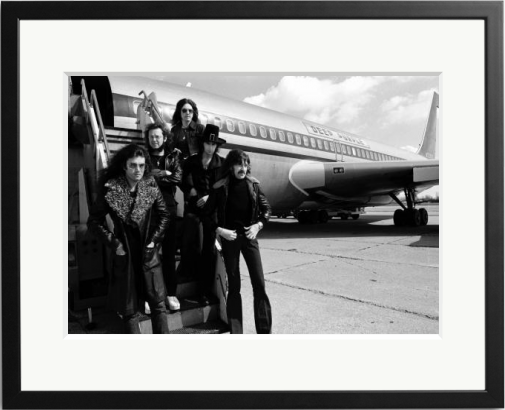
(490, 12)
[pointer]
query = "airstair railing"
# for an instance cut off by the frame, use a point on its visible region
(150, 106)
(102, 136)
(98, 131)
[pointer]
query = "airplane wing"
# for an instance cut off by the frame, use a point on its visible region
(358, 183)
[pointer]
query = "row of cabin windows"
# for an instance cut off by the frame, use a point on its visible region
(315, 143)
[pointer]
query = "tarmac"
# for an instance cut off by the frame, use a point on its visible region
(362, 276)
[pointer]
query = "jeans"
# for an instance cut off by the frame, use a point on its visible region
(198, 252)
(158, 320)
(262, 309)
(169, 248)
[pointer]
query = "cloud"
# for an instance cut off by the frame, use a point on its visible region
(408, 108)
(329, 101)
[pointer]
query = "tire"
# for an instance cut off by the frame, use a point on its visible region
(424, 216)
(323, 216)
(355, 216)
(415, 217)
(399, 217)
(344, 217)
(313, 217)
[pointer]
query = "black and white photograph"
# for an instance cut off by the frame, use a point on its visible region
(252, 205)
(327, 185)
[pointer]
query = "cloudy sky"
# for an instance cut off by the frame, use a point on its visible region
(389, 109)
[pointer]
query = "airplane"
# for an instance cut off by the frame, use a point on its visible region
(311, 169)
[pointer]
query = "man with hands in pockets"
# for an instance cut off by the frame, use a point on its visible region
(238, 210)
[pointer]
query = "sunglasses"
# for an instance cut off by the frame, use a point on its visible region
(185, 110)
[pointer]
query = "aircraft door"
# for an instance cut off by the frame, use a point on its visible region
(338, 150)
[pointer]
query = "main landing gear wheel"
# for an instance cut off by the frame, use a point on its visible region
(424, 216)
(399, 217)
(323, 216)
(345, 217)
(355, 216)
(313, 216)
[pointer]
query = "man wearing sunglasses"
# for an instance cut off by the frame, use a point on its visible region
(186, 129)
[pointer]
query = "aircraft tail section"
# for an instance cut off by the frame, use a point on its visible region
(428, 146)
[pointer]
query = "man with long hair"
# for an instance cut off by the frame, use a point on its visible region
(129, 195)
(167, 171)
(200, 172)
(241, 211)
(186, 129)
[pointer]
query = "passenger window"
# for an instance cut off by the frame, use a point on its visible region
(263, 132)
(298, 139)
(326, 145)
(290, 138)
(313, 142)
(333, 147)
(253, 130)
(367, 154)
(273, 135)
(241, 127)
(203, 119)
(344, 149)
(353, 151)
(305, 140)
(319, 144)
(217, 122)
(282, 137)
(230, 125)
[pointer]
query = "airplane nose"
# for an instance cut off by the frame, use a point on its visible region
(307, 175)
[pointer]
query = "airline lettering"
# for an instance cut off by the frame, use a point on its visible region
(315, 130)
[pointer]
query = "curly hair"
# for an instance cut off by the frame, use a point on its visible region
(176, 118)
(117, 164)
(168, 135)
(236, 157)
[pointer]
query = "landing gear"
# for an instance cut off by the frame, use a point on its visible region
(313, 216)
(409, 215)
(344, 217)
(355, 216)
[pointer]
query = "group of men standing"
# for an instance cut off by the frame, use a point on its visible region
(221, 200)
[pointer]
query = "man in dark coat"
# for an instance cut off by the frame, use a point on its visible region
(166, 169)
(129, 196)
(186, 130)
(241, 211)
(200, 172)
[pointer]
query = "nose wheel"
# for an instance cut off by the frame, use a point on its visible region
(408, 215)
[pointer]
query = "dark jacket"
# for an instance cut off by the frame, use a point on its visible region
(126, 291)
(168, 184)
(200, 179)
(260, 209)
(186, 140)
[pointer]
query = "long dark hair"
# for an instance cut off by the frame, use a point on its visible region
(235, 157)
(176, 118)
(168, 135)
(117, 164)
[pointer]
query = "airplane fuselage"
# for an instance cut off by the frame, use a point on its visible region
(274, 141)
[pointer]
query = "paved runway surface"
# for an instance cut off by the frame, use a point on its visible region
(350, 277)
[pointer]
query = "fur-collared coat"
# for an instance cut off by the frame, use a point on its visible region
(127, 293)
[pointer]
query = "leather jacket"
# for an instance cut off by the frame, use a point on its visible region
(186, 140)
(168, 184)
(216, 204)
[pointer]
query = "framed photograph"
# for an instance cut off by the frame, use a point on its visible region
(456, 361)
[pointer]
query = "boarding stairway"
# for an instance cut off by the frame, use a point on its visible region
(91, 145)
